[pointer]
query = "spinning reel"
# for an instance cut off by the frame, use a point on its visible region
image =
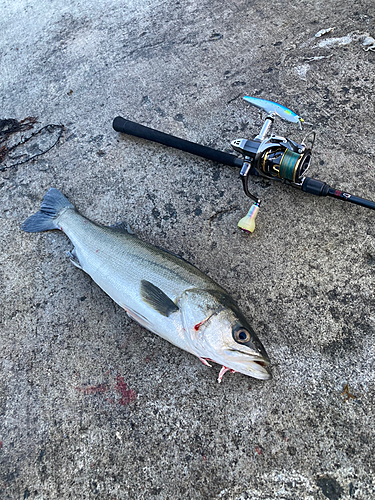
(268, 156)
(273, 157)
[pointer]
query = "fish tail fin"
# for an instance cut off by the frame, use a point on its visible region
(44, 220)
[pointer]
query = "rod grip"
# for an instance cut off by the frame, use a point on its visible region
(150, 134)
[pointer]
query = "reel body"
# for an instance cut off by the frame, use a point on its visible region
(274, 157)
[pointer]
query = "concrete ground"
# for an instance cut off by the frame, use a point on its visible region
(91, 404)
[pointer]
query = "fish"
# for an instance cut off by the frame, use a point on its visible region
(273, 107)
(158, 289)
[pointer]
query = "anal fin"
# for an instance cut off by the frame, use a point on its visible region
(74, 259)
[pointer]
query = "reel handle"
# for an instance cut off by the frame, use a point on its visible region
(150, 134)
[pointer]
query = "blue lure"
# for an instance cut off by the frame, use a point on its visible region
(273, 107)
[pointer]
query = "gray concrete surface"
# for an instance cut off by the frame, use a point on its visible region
(91, 404)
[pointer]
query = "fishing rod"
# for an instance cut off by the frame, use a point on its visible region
(266, 155)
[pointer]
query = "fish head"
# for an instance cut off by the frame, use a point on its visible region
(217, 330)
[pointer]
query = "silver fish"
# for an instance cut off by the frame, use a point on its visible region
(159, 290)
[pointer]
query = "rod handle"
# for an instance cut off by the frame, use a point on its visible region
(137, 130)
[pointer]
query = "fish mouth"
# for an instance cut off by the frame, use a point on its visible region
(254, 365)
(260, 369)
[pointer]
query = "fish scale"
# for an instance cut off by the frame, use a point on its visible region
(125, 255)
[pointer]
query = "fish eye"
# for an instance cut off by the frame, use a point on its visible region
(242, 336)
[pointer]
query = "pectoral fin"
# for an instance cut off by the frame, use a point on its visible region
(157, 299)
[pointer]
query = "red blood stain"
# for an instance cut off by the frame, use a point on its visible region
(1, 444)
(127, 395)
(198, 325)
(258, 450)
(93, 389)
